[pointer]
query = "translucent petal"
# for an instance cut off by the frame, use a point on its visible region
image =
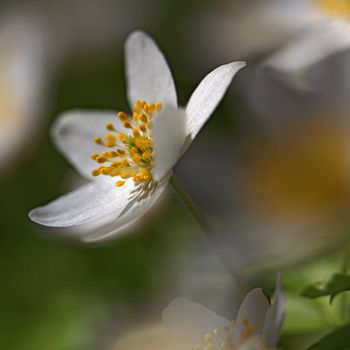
(253, 309)
(89, 203)
(188, 322)
(207, 96)
(147, 72)
(274, 317)
(73, 134)
(310, 48)
(169, 138)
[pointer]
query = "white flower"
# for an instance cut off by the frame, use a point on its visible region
(22, 80)
(257, 325)
(303, 32)
(138, 152)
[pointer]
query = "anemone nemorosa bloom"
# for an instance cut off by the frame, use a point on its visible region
(256, 327)
(129, 158)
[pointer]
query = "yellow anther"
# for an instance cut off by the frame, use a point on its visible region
(143, 118)
(110, 144)
(122, 137)
(158, 106)
(147, 155)
(136, 133)
(106, 171)
(137, 179)
(123, 117)
(136, 158)
(94, 156)
(127, 125)
(120, 183)
(110, 137)
(114, 172)
(99, 141)
(131, 153)
(141, 143)
(101, 160)
(110, 127)
(96, 172)
(125, 174)
(134, 150)
(123, 163)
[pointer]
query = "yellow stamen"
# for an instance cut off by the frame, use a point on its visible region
(94, 156)
(131, 153)
(110, 127)
(101, 160)
(123, 117)
(339, 8)
(99, 141)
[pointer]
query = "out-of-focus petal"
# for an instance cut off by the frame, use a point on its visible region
(274, 317)
(73, 134)
(169, 138)
(253, 343)
(207, 96)
(147, 72)
(188, 322)
(23, 91)
(253, 309)
(311, 48)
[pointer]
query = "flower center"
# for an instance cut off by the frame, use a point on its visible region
(128, 154)
(230, 337)
(301, 173)
(339, 8)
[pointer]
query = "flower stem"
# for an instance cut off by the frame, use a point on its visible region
(206, 227)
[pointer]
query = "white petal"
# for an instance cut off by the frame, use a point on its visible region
(89, 203)
(98, 210)
(274, 317)
(147, 73)
(74, 132)
(207, 96)
(253, 343)
(169, 138)
(120, 224)
(315, 45)
(188, 322)
(253, 309)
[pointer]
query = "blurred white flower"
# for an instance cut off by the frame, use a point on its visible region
(290, 185)
(23, 75)
(139, 159)
(297, 33)
(257, 325)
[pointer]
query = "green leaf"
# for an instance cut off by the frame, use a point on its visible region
(337, 284)
(337, 340)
